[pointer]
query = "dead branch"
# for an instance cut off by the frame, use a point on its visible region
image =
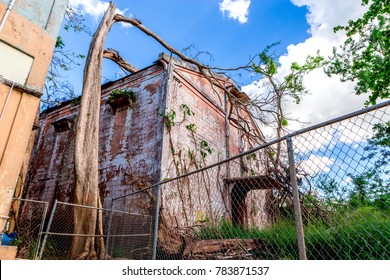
(123, 64)
(203, 69)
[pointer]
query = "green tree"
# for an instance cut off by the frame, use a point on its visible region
(365, 55)
(268, 106)
(371, 188)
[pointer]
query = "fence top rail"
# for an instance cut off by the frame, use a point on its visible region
(340, 119)
(102, 209)
(267, 144)
(30, 200)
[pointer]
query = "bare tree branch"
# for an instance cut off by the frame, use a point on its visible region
(123, 64)
(203, 69)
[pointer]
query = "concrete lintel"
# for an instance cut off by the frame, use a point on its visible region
(20, 87)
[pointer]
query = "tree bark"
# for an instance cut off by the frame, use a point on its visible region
(88, 221)
(123, 64)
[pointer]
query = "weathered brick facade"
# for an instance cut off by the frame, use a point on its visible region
(135, 141)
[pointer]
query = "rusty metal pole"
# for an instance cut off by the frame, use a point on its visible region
(41, 230)
(48, 228)
(156, 222)
(297, 206)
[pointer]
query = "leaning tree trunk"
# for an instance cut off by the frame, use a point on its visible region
(88, 221)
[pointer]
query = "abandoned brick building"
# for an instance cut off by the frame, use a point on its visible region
(174, 122)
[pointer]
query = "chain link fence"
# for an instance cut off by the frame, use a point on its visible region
(130, 231)
(319, 193)
(60, 237)
(346, 185)
(129, 234)
(27, 219)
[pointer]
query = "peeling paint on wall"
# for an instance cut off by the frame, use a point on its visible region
(133, 140)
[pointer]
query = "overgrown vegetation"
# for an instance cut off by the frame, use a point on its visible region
(363, 233)
(268, 107)
(117, 94)
(185, 159)
(354, 220)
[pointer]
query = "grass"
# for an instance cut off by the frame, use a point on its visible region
(359, 234)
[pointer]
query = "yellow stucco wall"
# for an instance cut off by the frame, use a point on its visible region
(31, 39)
(15, 128)
(18, 113)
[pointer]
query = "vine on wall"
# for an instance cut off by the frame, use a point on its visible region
(186, 159)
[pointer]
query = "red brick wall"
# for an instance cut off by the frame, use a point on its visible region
(135, 141)
(130, 142)
(205, 193)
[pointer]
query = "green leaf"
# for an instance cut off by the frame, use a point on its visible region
(191, 127)
(364, 56)
(59, 43)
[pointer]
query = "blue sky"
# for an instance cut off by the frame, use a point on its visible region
(232, 31)
(230, 41)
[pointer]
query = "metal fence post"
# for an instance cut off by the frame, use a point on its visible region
(156, 222)
(48, 228)
(41, 230)
(109, 228)
(297, 206)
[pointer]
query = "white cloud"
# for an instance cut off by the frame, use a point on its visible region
(329, 97)
(235, 9)
(353, 133)
(315, 140)
(325, 14)
(350, 133)
(347, 179)
(315, 164)
(95, 8)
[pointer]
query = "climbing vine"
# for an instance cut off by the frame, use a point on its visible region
(185, 159)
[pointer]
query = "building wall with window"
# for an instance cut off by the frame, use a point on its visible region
(160, 134)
